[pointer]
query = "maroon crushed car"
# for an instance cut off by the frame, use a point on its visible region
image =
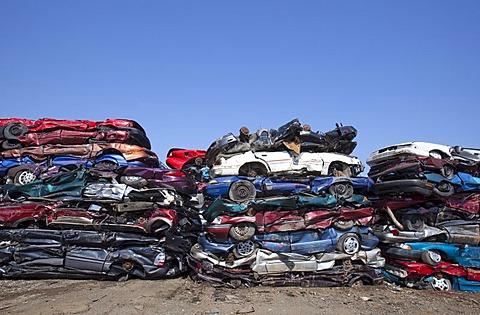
(289, 220)
(140, 177)
(18, 132)
(403, 166)
(140, 217)
(24, 215)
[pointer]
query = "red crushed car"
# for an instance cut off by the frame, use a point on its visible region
(183, 158)
(291, 220)
(18, 132)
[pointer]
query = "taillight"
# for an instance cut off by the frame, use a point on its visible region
(395, 232)
(160, 259)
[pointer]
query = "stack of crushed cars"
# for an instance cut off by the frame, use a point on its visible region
(428, 202)
(87, 199)
(284, 207)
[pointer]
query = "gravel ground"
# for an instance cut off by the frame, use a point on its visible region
(183, 296)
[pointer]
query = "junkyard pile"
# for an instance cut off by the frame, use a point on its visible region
(286, 206)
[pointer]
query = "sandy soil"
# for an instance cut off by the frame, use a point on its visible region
(183, 296)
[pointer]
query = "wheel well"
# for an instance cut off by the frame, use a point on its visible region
(108, 151)
(25, 223)
(245, 168)
(337, 167)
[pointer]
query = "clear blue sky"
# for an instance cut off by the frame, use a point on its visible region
(191, 71)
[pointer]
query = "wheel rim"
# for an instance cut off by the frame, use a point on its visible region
(340, 189)
(435, 256)
(245, 248)
(350, 245)
(26, 177)
(241, 230)
(441, 284)
(242, 192)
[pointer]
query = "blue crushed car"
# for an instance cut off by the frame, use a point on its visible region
(244, 188)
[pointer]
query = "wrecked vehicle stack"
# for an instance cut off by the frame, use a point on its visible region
(87, 206)
(280, 213)
(428, 202)
(280, 207)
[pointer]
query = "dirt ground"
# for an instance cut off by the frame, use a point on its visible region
(183, 296)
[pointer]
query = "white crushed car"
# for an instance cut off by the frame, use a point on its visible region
(418, 148)
(286, 163)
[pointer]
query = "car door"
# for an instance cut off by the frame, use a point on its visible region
(277, 161)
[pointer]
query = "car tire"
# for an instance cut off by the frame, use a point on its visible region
(448, 171)
(10, 144)
(242, 231)
(444, 189)
(157, 227)
(349, 243)
(241, 191)
(24, 177)
(343, 225)
(413, 223)
(440, 282)
(14, 130)
(431, 257)
(342, 190)
(134, 181)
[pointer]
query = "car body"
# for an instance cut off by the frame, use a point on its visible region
(181, 159)
(22, 171)
(239, 189)
(430, 183)
(451, 231)
(464, 202)
(404, 166)
(442, 277)
(46, 124)
(261, 140)
(286, 163)
(88, 151)
(425, 184)
(134, 216)
(311, 241)
(221, 206)
(140, 177)
(339, 140)
(23, 132)
(22, 215)
(69, 137)
(244, 226)
(87, 255)
(81, 184)
(463, 158)
(433, 253)
(277, 269)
